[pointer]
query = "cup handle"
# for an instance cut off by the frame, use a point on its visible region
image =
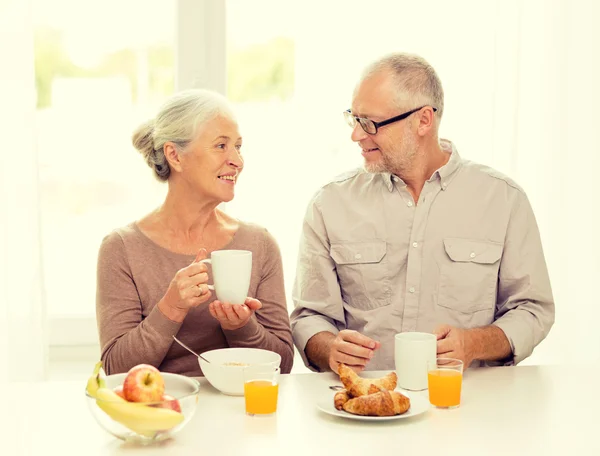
(208, 261)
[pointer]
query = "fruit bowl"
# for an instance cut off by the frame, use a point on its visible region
(225, 371)
(144, 422)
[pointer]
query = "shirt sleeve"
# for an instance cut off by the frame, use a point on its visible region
(269, 327)
(316, 292)
(126, 338)
(525, 305)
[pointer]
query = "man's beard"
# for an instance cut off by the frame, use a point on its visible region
(399, 160)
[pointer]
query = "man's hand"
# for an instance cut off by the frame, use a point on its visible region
(454, 343)
(351, 348)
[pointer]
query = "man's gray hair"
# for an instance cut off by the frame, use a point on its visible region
(418, 83)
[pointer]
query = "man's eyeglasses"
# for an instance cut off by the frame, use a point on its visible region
(370, 126)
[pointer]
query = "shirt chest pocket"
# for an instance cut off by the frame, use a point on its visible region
(469, 275)
(363, 273)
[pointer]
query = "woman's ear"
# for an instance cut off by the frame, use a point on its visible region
(172, 155)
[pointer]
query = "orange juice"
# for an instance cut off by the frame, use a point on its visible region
(261, 397)
(444, 387)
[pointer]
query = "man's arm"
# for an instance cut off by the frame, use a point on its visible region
(525, 305)
(318, 348)
(327, 351)
(318, 320)
(316, 292)
(488, 343)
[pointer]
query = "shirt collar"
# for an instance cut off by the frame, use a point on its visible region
(444, 175)
(388, 179)
(447, 172)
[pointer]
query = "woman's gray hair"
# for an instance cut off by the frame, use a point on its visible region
(177, 121)
(418, 83)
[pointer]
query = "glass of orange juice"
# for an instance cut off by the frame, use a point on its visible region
(261, 388)
(445, 382)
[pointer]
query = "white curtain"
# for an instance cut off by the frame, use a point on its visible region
(23, 345)
(521, 84)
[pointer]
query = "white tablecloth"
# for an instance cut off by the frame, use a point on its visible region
(527, 410)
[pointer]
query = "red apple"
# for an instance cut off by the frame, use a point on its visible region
(119, 391)
(172, 403)
(143, 383)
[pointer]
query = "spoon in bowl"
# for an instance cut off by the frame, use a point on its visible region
(189, 349)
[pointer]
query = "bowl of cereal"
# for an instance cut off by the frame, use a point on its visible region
(225, 369)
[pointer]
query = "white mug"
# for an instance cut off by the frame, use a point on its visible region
(231, 270)
(413, 353)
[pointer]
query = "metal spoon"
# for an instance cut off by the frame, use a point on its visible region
(336, 387)
(189, 349)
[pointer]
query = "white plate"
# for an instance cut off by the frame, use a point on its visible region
(418, 405)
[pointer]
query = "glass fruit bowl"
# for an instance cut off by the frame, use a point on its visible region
(143, 422)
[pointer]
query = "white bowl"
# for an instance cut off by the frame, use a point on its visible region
(229, 378)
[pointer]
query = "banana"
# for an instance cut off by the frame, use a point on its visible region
(95, 381)
(140, 418)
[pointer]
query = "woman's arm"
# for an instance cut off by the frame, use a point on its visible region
(126, 338)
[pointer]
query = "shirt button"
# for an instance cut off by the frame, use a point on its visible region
(358, 256)
(409, 204)
(472, 255)
(411, 289)
(415, 244)
(444, 185)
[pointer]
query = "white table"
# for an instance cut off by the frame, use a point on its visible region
(527, 410)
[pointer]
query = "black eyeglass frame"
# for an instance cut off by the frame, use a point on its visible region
(352, 119)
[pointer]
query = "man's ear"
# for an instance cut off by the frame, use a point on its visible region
(172, 155)
(426, 121)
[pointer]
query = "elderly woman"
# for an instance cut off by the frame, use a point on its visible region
(150, 283)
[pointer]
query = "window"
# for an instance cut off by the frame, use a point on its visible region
(261, 77)
(100, 69)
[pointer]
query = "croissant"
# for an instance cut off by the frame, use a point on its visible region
(340, 398)
(357, 386)
(383, 403)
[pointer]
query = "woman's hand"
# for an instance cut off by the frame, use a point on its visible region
(187, 289)
(234, 316)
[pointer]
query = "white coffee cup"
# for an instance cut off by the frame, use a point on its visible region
(231, 270)
(413, 352)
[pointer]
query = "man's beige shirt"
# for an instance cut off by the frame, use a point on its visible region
(468, 254)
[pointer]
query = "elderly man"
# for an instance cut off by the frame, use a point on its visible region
(418, 240)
